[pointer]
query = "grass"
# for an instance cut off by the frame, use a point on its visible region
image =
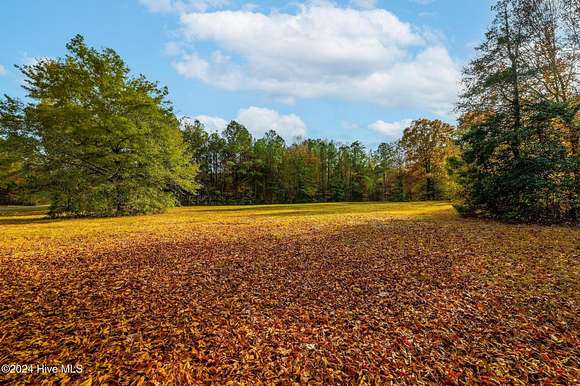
(12, 210)
(369, 293)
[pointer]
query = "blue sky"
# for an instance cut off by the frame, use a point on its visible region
(355, 69)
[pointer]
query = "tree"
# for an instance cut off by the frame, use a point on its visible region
(300, 173)
(239, 162)
(552, 46)
(197, 141)
(390, 162)
(216, 188)
(359, 163)
(427, 144)
(519, 124)
(269, 152)
(106, 143)
(17, 154)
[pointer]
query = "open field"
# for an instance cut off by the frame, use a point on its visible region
(314, 293)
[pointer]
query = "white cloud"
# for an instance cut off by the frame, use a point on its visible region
(3, 70)
(165, 6)
(212, 123)
(322, 51)
(192, 66)
(390, 129)
(173, 49)
(260, 120)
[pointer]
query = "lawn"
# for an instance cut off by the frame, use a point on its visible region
(365, 293)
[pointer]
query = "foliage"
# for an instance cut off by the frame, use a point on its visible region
(520, 123)
(236, 168)
(16, 151)
(366, 293)
(104, 143)
(427, 145)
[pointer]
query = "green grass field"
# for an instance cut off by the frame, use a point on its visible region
(346, 293)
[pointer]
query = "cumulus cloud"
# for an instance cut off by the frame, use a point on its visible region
(259, 120)
(321, 51)
(211, 123)
(3, 70)
(173, 49)
(390, 129)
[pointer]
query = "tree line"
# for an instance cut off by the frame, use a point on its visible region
(236, 168)
(94, 140)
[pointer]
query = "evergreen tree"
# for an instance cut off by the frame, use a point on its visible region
(519, 129)
(106, 143)
(269, 152)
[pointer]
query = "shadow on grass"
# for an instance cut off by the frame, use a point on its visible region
(321, 208)
(265, 207)
(24, 216)
(11, 215)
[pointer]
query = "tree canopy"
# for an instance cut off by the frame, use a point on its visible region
(97, 140)
(520, 119)
(237, 168)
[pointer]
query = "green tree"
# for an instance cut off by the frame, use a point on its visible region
(390, 164)
(269, 152)
(107, 143)
(358, 177)
(216, 187)
(301, 173)
(427, 144)
(519, 128)
(197, 141)
(17, 154)
(238, 156)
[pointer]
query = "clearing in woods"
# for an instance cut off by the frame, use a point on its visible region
(329, 293)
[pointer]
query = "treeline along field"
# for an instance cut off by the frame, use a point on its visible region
(235, 168)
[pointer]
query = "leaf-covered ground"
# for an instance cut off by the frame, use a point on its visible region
(315, 293)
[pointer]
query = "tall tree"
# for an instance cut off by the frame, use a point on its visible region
(238, 161)
(301, 173)
(552, 46)
(217, 168)
(427, 144)
(519, 128)
(17, 154)
(197, 141)
(108, 143)
(269, 152)
(390, 162)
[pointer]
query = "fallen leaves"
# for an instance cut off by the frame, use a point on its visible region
(354, 297)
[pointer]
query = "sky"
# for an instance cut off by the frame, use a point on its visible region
(343, 70)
